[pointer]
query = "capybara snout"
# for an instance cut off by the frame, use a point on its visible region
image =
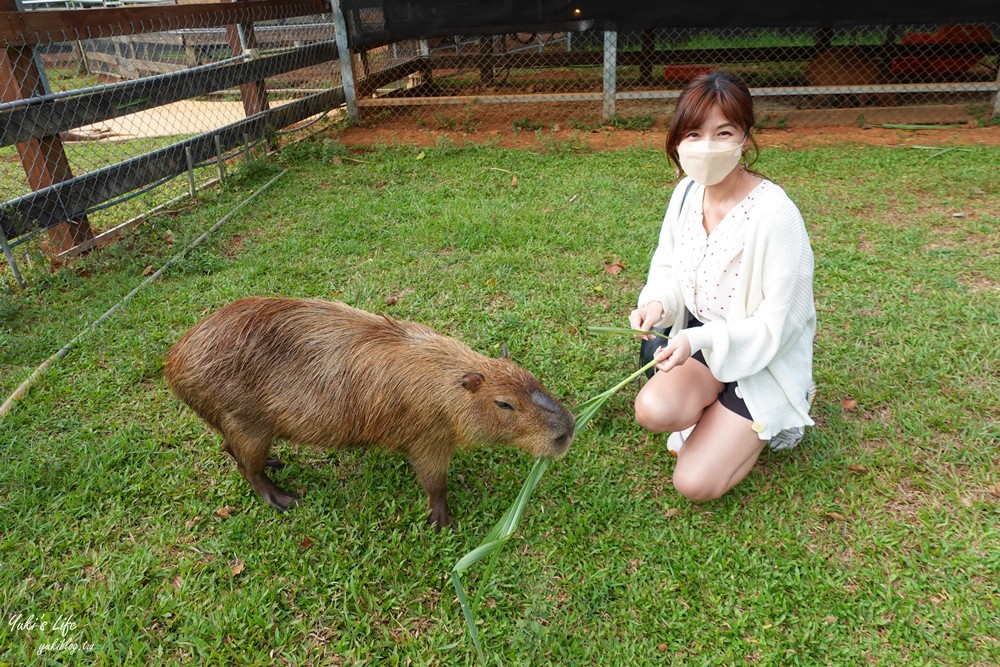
(330, 375)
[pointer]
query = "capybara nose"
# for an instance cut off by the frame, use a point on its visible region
(545, 402)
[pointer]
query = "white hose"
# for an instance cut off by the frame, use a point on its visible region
(23, 389)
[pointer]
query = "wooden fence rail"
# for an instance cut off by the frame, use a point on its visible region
(67, 199)
(33, 28)
(46, 116)
(32, 120)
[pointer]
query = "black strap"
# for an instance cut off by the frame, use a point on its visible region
(685, 196)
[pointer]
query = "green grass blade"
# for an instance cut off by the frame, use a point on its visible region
(625, 331)
(470, 620)
(505, 527)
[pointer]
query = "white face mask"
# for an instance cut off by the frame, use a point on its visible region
(708, 162)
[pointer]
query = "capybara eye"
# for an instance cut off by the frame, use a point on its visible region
(504, 406)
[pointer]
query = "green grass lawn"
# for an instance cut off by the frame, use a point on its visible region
(127, 531)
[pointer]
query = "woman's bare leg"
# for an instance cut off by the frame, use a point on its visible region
(718, 454)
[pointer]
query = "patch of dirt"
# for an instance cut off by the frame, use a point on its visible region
(430, 128)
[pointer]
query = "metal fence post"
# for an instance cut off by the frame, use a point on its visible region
(996, 100)
(610, 66)
(344, 55)
(11, 262)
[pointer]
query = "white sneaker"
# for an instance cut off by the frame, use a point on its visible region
(786, 439)
(676, 440)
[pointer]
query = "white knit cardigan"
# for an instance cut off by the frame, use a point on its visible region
(765, 343)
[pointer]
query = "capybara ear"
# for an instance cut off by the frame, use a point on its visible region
(472, 381)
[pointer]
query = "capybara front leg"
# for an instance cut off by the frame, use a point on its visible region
(434, 479)
(250, 454)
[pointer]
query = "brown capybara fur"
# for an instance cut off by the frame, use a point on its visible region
(333, 376)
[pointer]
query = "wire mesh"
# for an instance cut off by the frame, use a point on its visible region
(79, 99)
(799, 76)
(76, 103)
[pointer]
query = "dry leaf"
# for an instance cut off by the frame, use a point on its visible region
(168, 238)
(204, 311)
(238, 568)
(395, 296)
(614, 268)
(306, 543)
(671, 513)
(223, 512)
(190, 523)
(177, 582)
(830, 619)
(849, 404)
(857, 467)
(836, 516)
(661, 648)
(513, 181)
(147, 270)
(995, 489)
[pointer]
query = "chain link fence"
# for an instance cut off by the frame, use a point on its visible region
(105, 111)
(101, 122)
(799, 76)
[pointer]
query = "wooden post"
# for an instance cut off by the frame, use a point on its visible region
(486, 71)
(241, 40)
(43, 159)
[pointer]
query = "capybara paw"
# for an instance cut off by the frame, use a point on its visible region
(440, 519)
(274, 464)
(282, 500)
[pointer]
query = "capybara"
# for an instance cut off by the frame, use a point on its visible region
(333, 376)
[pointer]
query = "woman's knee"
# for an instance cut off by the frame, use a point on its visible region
(656, 413)
(697, 484)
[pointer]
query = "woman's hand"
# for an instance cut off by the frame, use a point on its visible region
(674, 353)
(644, 318)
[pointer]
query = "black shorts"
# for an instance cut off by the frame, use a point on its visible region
(729, 396)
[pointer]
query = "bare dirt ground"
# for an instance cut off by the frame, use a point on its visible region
(610, 138)
(429, 128)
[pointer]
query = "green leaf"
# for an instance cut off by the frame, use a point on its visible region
(505, 527)
(625, 331)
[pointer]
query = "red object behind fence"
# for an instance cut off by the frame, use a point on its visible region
(948, 34)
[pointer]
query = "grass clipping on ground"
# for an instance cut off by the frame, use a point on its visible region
(502, 531)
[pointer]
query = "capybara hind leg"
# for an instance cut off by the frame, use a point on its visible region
(251, 458)
(435, 483)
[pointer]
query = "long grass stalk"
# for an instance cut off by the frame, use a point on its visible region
(505, 527)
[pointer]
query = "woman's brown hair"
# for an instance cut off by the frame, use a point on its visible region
(720, 89)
